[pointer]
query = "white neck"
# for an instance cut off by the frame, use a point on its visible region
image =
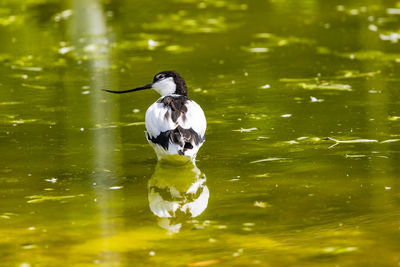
(165, 87)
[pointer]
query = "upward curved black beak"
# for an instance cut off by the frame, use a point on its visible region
(147, 86)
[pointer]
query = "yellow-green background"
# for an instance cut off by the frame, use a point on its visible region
(274, 79)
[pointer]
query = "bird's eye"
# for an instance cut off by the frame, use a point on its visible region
(160, 76)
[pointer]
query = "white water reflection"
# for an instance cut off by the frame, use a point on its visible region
(177, 193)
(90, 39)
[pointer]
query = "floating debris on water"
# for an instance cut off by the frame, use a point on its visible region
(22, 76)
(152, 44)
(65, 50)
(337, 250)
(51, 180)
(257, 49)
(354, 156)
(273, 40)
(302, 138)
(11, 103)
(32, 68)
(33, 86)
(261, 175)
(286, 115)
(390, 141)
(7, 215)
(63, 15)
(353, 141)
(360, 141)
(314, 99)
(28, 246)
(392, 37)
(242, 130)
(394, 118)
(22, 121)
(42, 198)
(116, 187)
(382, 157)
(178, 49)
(344, 75)
(117, 124)
(373, 27)
(263, 35)
(325, 86)
(142, 41)
(261, 204)
(270, 159)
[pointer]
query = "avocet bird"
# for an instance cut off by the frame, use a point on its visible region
(175, 125)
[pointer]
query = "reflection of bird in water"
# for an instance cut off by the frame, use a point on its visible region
(175, 125)
(176, 194)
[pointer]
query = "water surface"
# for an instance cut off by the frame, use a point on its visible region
(79, 185)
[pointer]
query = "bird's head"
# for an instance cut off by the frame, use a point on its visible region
(165, 83)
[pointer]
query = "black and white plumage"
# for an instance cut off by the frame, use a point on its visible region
(175, 124)
(177, 193)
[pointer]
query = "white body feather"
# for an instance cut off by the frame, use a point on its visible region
(157, 122)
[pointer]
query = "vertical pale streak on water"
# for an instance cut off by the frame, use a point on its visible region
(88, 28)
(376, 120)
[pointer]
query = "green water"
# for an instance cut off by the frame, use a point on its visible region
(80, 186)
